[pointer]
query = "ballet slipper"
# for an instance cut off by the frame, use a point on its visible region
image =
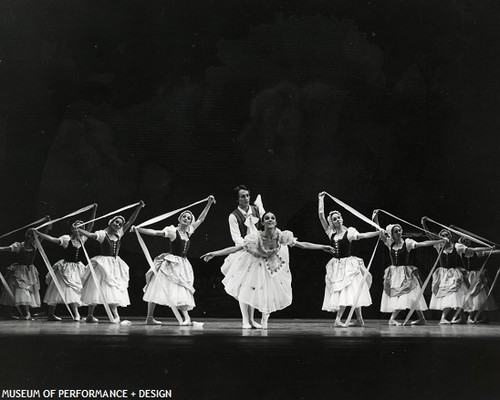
(91, 319)
(53, 317)
(444, 321)
(152, 321)
(393, 322)
(246, 326)
(418, 322)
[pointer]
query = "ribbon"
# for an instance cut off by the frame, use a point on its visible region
(167, 215)
(94, 277)
(406, 222)
(358, 294)
(52, 273)
(415, 304)
(459, 233)
(355, 212)
(473, 235)
(81, 210)
(23, 227)
(109, 214)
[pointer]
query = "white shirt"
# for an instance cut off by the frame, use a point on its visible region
(234, 227)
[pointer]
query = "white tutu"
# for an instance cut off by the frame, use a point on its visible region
(113, 276)
(69, 276)
(448, 289)
(24, 283)
(174, 278)
(401, 289)
(263, 283)
(479, 294)
(343, 280)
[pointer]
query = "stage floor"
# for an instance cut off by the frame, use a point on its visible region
(293, 359)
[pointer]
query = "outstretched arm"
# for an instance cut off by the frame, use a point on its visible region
(201, 218)
(6, 248)
(428, 243)
(48, 238)
(132, 219)
(369, 235)
(223, 252)
(145, 231)
(321, 211)
(313, 246)
(85, 233)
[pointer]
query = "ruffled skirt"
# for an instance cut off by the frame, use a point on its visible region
(343, 280)
(263, 283)
(69, 276)
(448, 289)
(401, 289)
(479, 294)
(24, 284)
(173, 280)
(113, 276)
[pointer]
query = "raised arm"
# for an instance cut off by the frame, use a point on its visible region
(201, 218)
(224, 252)
(133, 217)
(321, 211)
(90, 225)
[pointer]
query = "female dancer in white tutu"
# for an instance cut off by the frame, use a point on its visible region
(174, 274)
(69, 271)
(112, 272)
(402, 283)
(471, 260)
(259, 276)
(344, 272)
(22, 276)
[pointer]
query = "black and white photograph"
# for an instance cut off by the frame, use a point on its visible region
(248, 199)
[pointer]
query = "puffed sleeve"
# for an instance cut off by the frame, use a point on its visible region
(169, 232)
(251, 241)
(64, 241)
(352, 234)
(100, 235)
(461, 248)
(15, 247)
(410, 244)
(287, 238)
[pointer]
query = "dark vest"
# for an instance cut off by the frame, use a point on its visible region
(342, 247)
(179, 247)
(400, 256)
(471, 263)
(110, 248)
(25, 256)
(450, 260)
(241, 220)
(73, 254)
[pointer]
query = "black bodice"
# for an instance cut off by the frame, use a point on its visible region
(450, 260)
(342, 247)
(179, 247)
(73, 254)
(472, 262)
(400, 256)
(26, 256)
(110, 248)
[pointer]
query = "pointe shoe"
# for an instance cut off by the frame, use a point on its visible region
(357, 323)
(458, 321)
(339, 324)
(246, 326)
(152, 321)
(117, 320)
(53, 318)
(91, 319)
(187, 322)
(263, 322)
(444, 322)
(256, 325)
(418, 322)
(394, 323)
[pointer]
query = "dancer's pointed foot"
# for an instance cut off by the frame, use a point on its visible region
(357, 322)
(418, 322)
(91, 318)
(186, 322)
(393, 322)
(152, 321)
(470, 321)
(53, 317)
(339, 323)
(246, 325)
(458, 321)
(444, 321)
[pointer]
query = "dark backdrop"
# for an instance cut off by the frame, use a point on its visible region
(385, 104)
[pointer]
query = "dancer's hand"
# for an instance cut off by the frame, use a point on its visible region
(132, 228)
(329, 249)
(321, 195)
(207, 257)
(211, 199)
(142, 204)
